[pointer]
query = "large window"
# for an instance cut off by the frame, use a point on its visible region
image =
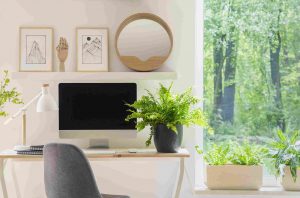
(252, 68)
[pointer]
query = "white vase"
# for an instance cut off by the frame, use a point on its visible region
(234, 177)
(287, 181)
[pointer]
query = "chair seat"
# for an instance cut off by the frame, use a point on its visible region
(114, 196)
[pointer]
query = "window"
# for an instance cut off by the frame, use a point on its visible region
(251, 68)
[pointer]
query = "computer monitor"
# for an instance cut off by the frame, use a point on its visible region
(96, 110)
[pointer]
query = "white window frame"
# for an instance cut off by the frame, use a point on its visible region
(199, 82)
(268, 181)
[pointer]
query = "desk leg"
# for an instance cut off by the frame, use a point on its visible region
(15, 179)
(2, 178)
(180, 178)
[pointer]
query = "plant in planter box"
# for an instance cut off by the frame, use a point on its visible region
(166, 114)
(7, 95)
(247, 154)
(217, 154)
(285, 152)
(228, 164)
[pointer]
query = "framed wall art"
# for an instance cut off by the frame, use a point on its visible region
(36, 49)
(92, 49)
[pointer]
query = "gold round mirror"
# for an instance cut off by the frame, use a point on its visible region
(144, 42)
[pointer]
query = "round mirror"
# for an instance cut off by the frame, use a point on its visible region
(144, 42)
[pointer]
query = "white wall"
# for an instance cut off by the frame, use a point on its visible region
(144, 178)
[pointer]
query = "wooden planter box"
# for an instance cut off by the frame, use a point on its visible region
(234, 177)
(287, 181)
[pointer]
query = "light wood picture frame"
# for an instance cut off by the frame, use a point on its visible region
(36, 49)
(92, 49)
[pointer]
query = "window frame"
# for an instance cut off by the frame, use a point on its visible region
(268, 180)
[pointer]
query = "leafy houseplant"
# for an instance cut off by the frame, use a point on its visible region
(247, 154)
(285, 151)
(166, 114)
(229, 163)
(7, 95)
(217, 154)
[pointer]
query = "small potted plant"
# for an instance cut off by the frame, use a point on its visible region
(7, 95)
(166, 115)
(233, 166)
(285, 151)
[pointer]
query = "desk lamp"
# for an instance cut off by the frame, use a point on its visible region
(45, 103)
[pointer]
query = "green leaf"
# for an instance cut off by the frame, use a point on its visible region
(281, 136)
(7, 95)
(234, 153)
(285, 152)
(199, 151)
(166, 108)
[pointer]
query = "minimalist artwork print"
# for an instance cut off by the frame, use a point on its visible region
(92, 49)
(36, 49)
(36, 46)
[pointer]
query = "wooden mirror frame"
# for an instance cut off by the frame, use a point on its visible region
(133, 62)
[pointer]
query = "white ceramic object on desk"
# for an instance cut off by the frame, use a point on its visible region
(21, 148)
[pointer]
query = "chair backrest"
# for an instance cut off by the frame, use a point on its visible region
(68, 173)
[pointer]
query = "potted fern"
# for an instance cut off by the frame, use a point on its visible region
(285, 151)
(7, 95)
(229, 164)
(166, 115)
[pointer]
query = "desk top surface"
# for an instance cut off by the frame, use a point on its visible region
(114, 153)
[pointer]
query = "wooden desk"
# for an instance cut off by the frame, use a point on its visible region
(94, 155)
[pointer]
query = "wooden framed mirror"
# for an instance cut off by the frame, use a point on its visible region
(144, 42)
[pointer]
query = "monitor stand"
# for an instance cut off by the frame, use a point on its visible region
(99, 144)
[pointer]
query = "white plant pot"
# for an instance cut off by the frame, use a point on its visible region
(287, 181)
(234, 177)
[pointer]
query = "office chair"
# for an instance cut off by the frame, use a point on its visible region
(68, 174)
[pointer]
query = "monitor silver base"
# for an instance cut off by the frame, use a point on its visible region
(98, 139)
(98, 144)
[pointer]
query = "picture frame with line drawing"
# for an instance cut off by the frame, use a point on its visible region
(92, 49)
(36, 49)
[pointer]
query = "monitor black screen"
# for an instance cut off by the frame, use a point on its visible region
(95, 106)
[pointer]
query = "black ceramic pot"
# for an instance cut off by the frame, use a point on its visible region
(166, 140)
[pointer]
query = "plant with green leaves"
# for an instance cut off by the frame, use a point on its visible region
(7, 95)
(247, 154)
(234, 153)
(217, 154)
(285, 151)
(168, 109)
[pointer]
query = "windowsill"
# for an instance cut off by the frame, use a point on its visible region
(266, 191)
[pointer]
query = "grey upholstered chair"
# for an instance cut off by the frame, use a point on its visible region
(68, 174)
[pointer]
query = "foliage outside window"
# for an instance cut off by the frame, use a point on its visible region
(252, 68)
